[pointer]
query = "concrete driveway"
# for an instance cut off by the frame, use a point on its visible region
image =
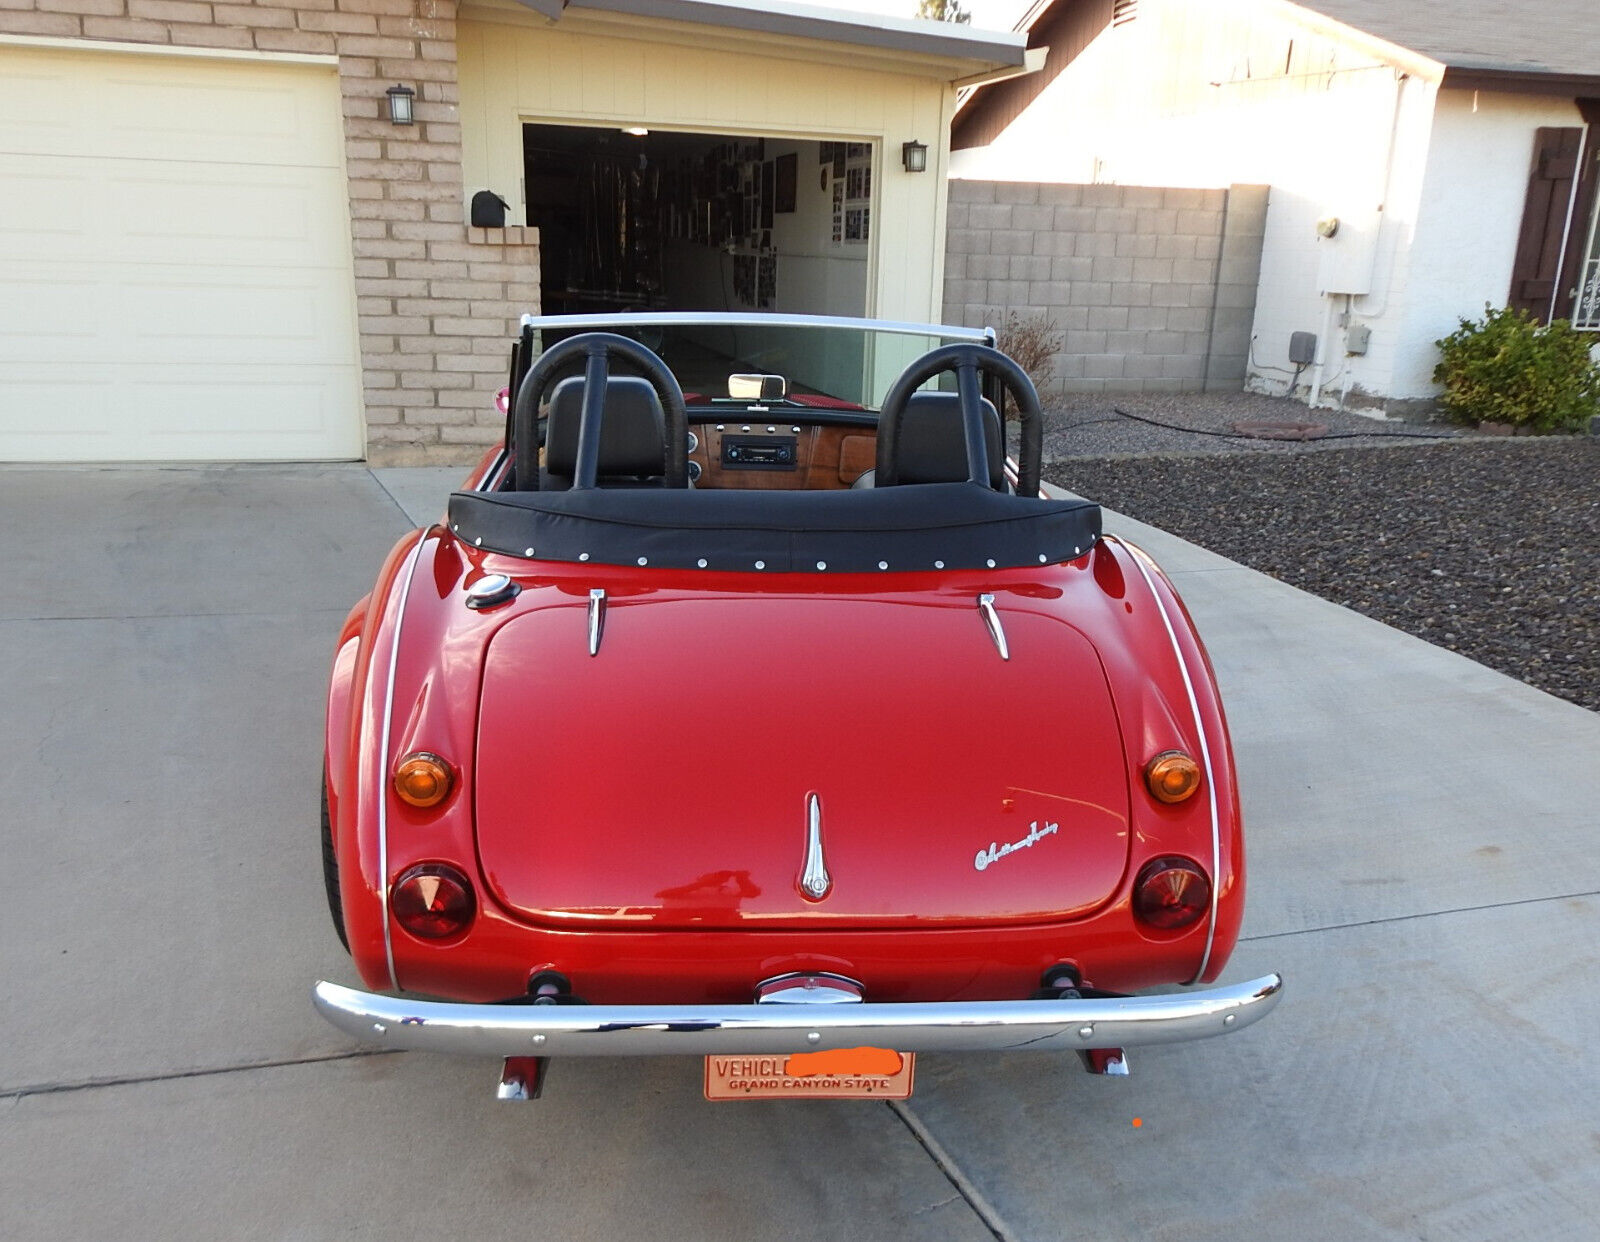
(1425, 867)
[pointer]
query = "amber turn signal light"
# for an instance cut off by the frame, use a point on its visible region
(422, 779)
(1172, 776)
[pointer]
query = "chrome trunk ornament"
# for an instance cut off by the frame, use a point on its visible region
(991, 619)
(815, 882)
(597, 619)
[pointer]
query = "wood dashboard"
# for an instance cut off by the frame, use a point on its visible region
(780, 457)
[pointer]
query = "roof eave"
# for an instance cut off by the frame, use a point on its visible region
(1520, 81)
(979, 51)
(1405, 59)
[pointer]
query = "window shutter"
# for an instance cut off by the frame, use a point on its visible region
(1572, 268)
(1544, 219)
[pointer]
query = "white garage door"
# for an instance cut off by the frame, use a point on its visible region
(175, 270)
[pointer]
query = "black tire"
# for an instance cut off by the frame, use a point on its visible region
(330, 867)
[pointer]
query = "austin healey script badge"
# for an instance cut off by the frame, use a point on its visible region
(994, 853)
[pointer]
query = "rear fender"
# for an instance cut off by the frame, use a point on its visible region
(356, 696)
(336, 730)
(1228, 865)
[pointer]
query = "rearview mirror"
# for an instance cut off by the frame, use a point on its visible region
(758, 387)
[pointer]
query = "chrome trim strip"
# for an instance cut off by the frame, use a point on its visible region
(491, 477)
(991, 619)
(384, 760)
(1140, 559)
(698, 1030)
(597, 618)
(814, 878)
(726, 319)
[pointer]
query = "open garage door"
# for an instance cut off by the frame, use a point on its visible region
(632, 218)
(175, 270)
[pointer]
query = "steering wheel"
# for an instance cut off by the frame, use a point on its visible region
(598, 349)
(967, 361)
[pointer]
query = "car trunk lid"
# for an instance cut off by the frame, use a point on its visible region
(668, 780)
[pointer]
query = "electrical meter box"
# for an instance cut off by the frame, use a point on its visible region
(1344, 260)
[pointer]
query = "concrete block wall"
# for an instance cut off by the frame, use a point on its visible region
(438, 302)
(1151, 289)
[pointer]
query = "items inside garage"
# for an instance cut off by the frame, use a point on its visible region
(647, 219)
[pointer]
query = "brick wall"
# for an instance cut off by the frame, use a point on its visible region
(438, 302)
(1150, 289)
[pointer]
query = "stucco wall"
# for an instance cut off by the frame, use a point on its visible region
(1199, 94)
(516, 67)
(1151, 289)
(1468, 219)
(437, 302)
(1372, 186)
(1337, 125)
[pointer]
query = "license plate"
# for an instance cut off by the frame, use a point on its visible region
(838, 1074)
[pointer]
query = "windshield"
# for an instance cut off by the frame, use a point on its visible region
(842, 365)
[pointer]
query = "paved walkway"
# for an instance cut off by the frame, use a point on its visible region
(1424, 870)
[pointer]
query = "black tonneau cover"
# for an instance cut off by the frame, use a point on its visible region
(914, 527)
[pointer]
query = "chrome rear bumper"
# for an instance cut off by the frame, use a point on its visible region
(698, 1030)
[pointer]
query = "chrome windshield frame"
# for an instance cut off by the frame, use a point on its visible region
(756, 319)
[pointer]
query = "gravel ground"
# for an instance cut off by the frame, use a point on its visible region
(1105, 426)
(1489, 547)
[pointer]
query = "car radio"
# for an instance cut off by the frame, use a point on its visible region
(760, 453)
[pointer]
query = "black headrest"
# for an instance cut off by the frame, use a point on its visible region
(633, 429)
(932, 445)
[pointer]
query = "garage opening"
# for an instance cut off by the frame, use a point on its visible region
(636, 219)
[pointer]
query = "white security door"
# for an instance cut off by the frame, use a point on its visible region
(175, 271)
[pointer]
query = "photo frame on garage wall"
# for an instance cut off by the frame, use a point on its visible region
(852, 195)
(786, 177)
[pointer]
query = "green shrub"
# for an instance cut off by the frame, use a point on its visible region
(1505, 368)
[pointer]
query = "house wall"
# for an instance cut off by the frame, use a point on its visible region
(515, 67)
(1234, 91)
(1150, 289)
(1326, 286)
(1064, 31)
(1468, 219)
(1191, 94)
(437, 301)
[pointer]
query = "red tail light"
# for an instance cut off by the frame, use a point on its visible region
(433, 901)
(1171, 893)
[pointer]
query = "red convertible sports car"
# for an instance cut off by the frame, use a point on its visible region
(751, 704)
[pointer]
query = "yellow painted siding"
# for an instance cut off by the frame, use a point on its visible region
(515, 72)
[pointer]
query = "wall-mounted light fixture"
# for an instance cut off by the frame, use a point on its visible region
(914, 155)
(400, 98)
(636, 131)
